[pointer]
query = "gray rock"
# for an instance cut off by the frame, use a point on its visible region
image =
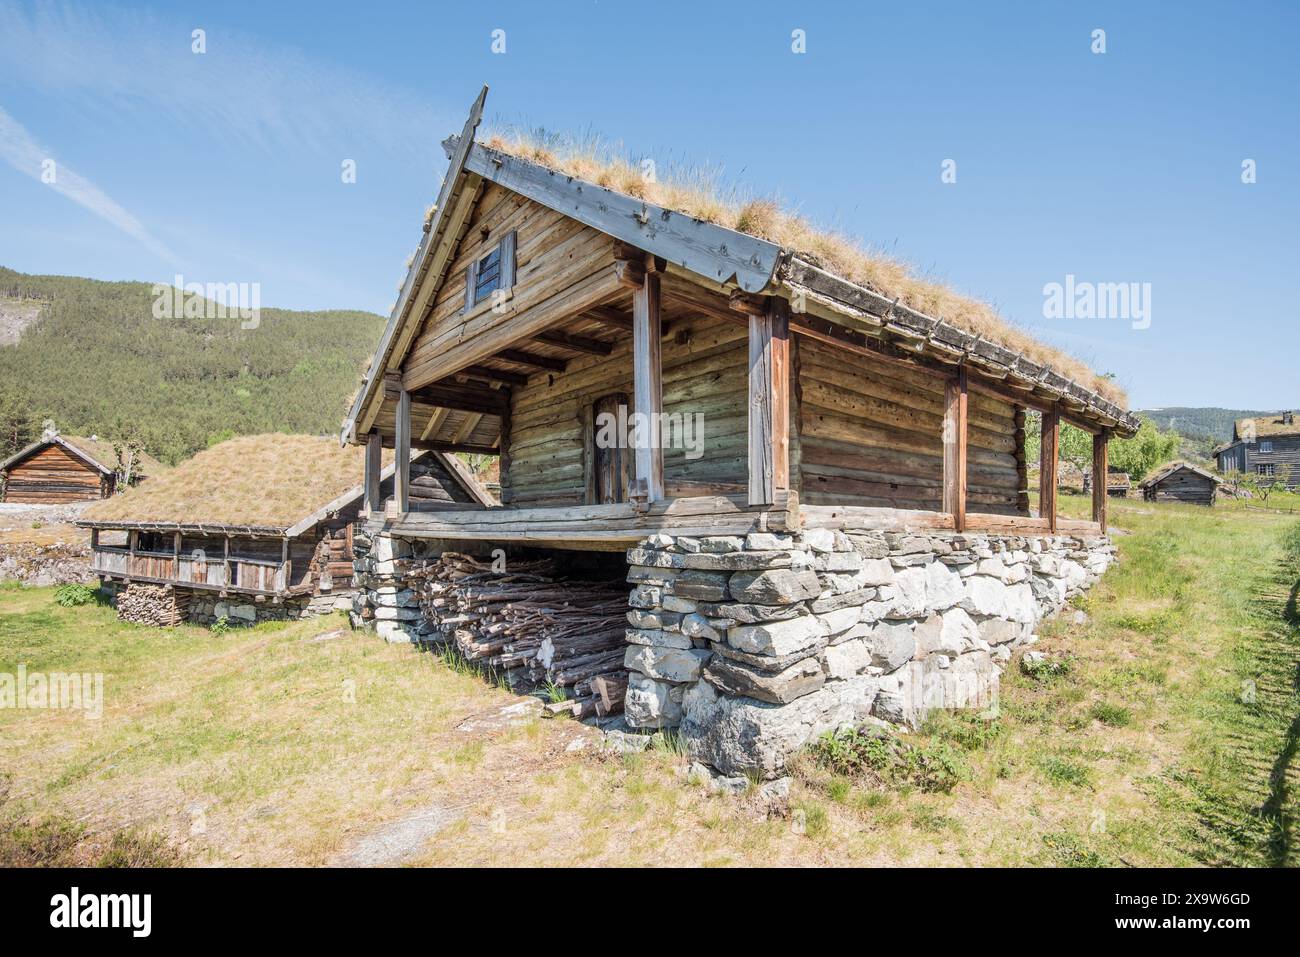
(820, 540)
(845, 600)
(767, 541)
(892, 645)
(740, 735)
(665, 620)
(651, 704)
(621, 742)
(876, 571)
(718, 544)
(734, 678)
(770, 663)
(774, 587)
(700, 585)
(777, 637)
(666, 664)
(748, 614)
(656, 638)
(847, 658)
(697, 626)
(683, 606)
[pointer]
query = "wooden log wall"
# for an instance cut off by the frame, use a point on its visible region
(433, 488)
(704, 371)
(870, 435)
(1183, 486)
(553, 254)
(53, 476)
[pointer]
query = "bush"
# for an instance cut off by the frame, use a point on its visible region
(70, 596)
(220, 626)
(934, 766)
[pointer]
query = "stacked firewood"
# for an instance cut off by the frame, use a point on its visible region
(534, 625)
(153, 605)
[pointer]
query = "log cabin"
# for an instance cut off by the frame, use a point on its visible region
(256, 527)
(723, 416)
(1181, 482)
(64, 469)
(1266, 446)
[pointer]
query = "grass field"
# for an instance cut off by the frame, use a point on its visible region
(1164, 734)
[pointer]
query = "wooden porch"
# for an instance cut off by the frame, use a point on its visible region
(224, 573)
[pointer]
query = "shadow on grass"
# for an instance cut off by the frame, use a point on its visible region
(1276, 807)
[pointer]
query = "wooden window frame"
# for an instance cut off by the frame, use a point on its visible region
(504, 264)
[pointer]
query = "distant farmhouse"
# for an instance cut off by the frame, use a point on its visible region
(1181, 482)
(256, 527)
(62, 469)
(1268, 446)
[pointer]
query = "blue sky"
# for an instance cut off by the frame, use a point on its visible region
(1118, 167)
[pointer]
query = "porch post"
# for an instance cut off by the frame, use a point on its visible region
(1100, 478)
(647, 383)
(402, 465)
(373, 467)
(1051, 436)
(955, 414)
(769, 402)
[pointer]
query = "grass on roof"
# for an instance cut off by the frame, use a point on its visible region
(697, 193)
(272, 480)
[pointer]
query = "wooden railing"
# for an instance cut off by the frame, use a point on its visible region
(237, 574)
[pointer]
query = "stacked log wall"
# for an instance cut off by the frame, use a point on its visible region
(871, 435)
(54, 476)
(704, 372)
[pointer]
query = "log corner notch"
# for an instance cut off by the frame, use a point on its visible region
(1047, 476)
(769, 399)
(647, 375)
(955, 434)
(1100, 477)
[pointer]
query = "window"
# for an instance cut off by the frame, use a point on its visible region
(488, 275)
(1266, 446)
(494, 270)
(1265, 469)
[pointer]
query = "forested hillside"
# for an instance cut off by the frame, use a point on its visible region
(96, 361)
(1202, 429)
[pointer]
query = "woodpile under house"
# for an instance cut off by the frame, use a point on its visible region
(63, 469)
(1181, 482)
(810, 471)
(254, 528)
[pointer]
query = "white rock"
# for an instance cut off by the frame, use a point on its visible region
(847, 658)
(943, 586)
(777, 637)
(820, 540)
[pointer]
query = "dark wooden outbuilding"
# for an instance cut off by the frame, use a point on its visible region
(59, 470)
(1180, 482)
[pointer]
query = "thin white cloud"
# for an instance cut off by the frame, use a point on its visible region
(240, 92)
(21, 151)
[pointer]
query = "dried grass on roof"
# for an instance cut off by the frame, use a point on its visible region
(696, 193)
(1268, 425)
(271, 480)
(102, 451)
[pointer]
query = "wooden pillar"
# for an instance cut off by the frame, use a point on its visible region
(1047, 467)
(647, 384)
(955, 414)
(373, 471)
(94, 538)
(769, 402)
(285, 564)
(402, 464)
(225, 564)
(1100, 477)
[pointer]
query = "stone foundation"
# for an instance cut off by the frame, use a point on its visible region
(754, 646)
(159, 605)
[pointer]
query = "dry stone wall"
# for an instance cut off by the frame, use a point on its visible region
(753, 646)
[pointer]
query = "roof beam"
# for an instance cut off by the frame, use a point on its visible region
(593, 347)
(495, 375)
(532, 359)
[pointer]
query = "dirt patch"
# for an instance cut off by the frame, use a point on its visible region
(15, 316)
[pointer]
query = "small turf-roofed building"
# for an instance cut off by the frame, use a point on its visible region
(1181, 482)
(65, 469)
(1267, 446)
(806, 467)
(256, 527)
